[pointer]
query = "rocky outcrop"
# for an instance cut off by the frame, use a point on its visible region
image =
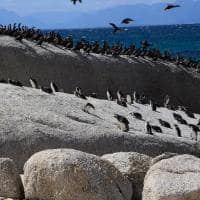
(62, 174)
(32, 121)
(132, 165)
(95, 73)
(163, 156)
(176, 178)
(10, 182)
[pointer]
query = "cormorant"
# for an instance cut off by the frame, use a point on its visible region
(115, 28)
(124, 123)
(170, 6)
(16, 83)
(54, 87)
(74, 1)
(87, 107)
(178, 130)
(148, 129)
(33, 83)
(127, 21)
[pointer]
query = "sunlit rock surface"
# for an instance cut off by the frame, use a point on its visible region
(32, 120)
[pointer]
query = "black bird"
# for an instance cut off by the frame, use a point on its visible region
(79, 93)
(120, 95)
(177, 116)
(156, 129)
(3, 81)
(190, 114)
(19, 38)
(178, 130)
(164, 123)
(194, 128)
(153, 106)
(94, 95)
(124, 123)
(148, 128)
(87, 107)
(109, 95)
(127, 21)
(33, 83)
(115, 28)
(121, 103)
(54, 87)
(137, 115)
(47, 90)
(170, 6)
(16, 83)
(74, 1)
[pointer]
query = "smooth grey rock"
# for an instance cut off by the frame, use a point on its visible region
(67, 174)
(32, 120)
(10, 182)
(163, 156)
(132, 165)
(176, 178)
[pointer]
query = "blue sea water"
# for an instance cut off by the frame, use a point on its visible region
(183, 39)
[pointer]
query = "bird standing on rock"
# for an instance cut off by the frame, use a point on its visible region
(54, 87)
(109, 95)
(87, 107)
(178, 130)
(15, 83)
(148, 128)
(123, 122)
(33, 83)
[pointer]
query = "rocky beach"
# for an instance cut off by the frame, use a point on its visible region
(51, 148)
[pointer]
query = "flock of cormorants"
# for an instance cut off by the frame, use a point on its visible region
(125, 101)
(145, 50)
(168, 7)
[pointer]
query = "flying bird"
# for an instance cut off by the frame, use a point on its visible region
(170, 6)
(74, 1)
(127, 21)
(115, 28)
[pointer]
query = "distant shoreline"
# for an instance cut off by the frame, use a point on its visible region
(107, 27)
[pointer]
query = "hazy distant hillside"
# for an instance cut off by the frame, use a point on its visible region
(7, 17)
(143, 14)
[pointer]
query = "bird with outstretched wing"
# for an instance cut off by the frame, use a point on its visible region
(171, 6)
(115, 28)
(74, 1)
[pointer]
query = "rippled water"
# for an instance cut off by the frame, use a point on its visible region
(183, 39)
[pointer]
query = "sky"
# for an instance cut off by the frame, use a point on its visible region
(63, 14)
(26, 7)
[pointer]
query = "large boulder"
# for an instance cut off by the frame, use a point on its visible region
(176, 178)
(163, 156)
(66, 174)
(10, 182)
(132, 165)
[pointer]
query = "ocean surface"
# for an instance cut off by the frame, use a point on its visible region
(182, 39)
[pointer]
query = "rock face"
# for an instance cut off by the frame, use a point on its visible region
(32, 121)
(132, 165)
(62, 174)
(95, 73)
(176, 178)
(163, 156)
(10, 182)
